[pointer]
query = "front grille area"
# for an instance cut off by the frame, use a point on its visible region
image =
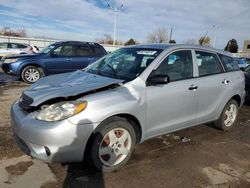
(25, 102)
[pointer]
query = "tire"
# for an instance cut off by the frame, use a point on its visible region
(112, 144)
(228, 116)
(31, 74)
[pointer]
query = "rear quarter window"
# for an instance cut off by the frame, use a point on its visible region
(229, 63)
(97, 50)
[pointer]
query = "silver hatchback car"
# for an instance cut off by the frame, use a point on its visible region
(131, 95)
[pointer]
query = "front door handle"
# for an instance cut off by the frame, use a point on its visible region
(68, 59)
(193, 87)
(225, 81)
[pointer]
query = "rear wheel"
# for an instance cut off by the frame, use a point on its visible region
(31, 74)
(228, 116)
(113, 144)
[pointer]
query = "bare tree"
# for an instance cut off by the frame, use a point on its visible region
(190, 41)
(232, 46)
(6, 31)
(130, 42)
(107, 39)
(204, 41)
(159, 36)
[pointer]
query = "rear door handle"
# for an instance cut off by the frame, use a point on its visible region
(225, 81)
(68, 59)
(193, 87)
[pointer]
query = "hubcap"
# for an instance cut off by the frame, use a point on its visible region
(230, 115)
(115, 146)
(32, 75)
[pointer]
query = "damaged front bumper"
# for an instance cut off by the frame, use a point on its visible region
(59, 141)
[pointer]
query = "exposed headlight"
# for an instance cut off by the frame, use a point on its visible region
(61, 110)
(10, 60)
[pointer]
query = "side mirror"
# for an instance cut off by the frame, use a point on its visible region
(157, 79)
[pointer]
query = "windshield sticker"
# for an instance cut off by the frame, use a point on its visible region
(146, 52)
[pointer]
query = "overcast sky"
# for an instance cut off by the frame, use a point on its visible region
(90, 19)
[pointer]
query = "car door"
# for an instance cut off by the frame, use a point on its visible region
(214, 86)
(59, 60)
(172, 106)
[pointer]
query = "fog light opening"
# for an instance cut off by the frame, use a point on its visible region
(47, 151)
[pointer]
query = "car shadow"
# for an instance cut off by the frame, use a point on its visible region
(83, 175)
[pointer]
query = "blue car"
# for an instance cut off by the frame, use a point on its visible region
(59, 57)
(242, 62)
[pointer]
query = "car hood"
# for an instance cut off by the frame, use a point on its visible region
(66, 85)
(22, 56)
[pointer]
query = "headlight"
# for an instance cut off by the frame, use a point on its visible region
(61, 110)
(10, 60)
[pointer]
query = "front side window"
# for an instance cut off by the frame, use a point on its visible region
(178, 66)
(125, 63)
(230, 64)
(208, 63)
(21, 46)
(65, 50)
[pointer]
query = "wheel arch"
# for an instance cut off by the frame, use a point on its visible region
(237, 98)
(30, 64)
(132, 120)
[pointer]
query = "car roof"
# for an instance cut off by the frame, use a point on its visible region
(76, 42)
(178, 46)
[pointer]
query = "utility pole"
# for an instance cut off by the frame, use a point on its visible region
(115, 9)
(215, 34)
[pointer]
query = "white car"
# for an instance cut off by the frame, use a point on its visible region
(9, 48)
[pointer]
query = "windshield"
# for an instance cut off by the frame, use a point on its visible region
(125, 63)
(47, 49)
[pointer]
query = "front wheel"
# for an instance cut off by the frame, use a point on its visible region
(228, 116)
(113, 144)
(31, 74)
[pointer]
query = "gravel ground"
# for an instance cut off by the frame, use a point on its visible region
(206, 157)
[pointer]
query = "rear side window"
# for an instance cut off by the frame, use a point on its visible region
(21, 46)
(230, 64)
(97, 50)
(17, 46)
(81, 50)
(208, 63)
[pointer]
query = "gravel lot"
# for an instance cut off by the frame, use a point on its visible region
(206, 157)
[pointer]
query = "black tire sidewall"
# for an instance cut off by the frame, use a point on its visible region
(103, 129)
(31, 67)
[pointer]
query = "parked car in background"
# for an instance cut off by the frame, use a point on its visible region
(10, 48)
(242, 62)
(59, 57)
(247, 79)
(128, 96)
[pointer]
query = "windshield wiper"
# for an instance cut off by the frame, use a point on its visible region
(113, 70)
